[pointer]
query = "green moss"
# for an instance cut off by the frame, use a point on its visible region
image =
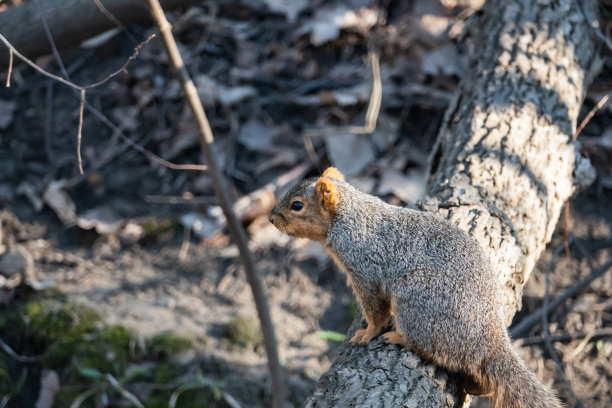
(159, 230)
(56, 320)
(157, 400)
(165, 373)
(81, 349)
(168, 343)
(242, 332)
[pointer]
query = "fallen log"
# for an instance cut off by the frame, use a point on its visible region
(501, 169)
(70, 22)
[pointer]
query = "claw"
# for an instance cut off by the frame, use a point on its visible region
(394, 337)
(363, 336)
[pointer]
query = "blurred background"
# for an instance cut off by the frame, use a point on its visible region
(128, 270)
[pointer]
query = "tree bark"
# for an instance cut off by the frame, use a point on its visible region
(501, 169)
(70, 22)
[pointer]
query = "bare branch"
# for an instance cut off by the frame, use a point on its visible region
(80, 131)
(124, 66)
(10, 69)
(590, 115)
(99, 114)
(547, 339)
(525, 324)
(115, 21)
(219, 183)
(36, 67)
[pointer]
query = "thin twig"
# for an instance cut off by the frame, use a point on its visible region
(80, 131)
(371, 116)
(36, 67)
(531, 341)
(524, 325)
(101, 116)
(585, 341)
(593, 24)
(115, 21)
(139, 148)
(590, 115)
(49, 123)
(22, 359)
(162, 199)
(186, 242)
(547, 340)
(126, 394)
(10, 69)
(51, 42)
(91, 109)
(82, 397)
(125, 65)
(221, 190)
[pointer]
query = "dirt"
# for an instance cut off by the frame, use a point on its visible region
(153, 273)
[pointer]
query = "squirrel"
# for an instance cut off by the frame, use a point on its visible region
(421, 273)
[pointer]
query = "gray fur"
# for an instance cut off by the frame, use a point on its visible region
(443, 295)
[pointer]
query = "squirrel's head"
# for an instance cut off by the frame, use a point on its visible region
(306, 211)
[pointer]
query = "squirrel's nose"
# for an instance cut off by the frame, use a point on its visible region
(271, 218)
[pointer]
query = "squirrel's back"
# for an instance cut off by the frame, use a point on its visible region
(428, 276)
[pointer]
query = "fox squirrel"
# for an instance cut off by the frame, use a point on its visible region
(423, 274)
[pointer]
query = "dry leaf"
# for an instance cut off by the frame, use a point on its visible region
(328, 21)
(290, 8)
(232, 95)
(443, 60)
(256, 137)
(208, 90)
(60, 202)
(264, 235)
(101, 219)
(349, 152)
(16, 261)
(206, 226)
(32, 194)
(257, 203)
(408, 188)
(131, 233)
(326, 24)
(49, 386)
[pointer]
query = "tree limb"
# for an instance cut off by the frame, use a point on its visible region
(501, 169)
(221, 191)
(70, 22)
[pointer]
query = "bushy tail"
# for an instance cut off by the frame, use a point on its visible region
(516, 386)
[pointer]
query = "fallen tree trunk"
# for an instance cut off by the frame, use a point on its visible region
(501, 169)
(70, 22)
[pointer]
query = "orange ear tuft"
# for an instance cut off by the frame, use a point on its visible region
(333, 172)
(326, 194)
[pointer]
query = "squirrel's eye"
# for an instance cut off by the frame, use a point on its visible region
(297, 205)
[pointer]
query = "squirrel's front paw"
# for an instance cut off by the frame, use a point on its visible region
(363, 336)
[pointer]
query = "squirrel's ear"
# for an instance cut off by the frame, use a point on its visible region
(326, 194)
(333, 172)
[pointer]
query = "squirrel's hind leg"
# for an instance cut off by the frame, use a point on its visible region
(395, 337)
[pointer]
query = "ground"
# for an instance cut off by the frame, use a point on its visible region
(128, 270)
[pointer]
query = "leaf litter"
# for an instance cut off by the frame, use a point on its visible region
(267, 72)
